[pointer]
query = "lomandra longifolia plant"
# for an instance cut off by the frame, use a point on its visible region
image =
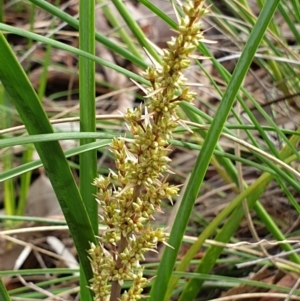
(130, 196)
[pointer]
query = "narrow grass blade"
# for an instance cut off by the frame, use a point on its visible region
(289, 21)
(25, 181)
(251, 193)
(100, 38)
(73, 50)
(87, 94)
(194, 286)
(3, 292)
(135, 29)
(9, 196)
(224, 235)
(113, 20)
(52, 137)
(38, 163)
(35, 119)
(169, 257)
(158, 13)
(47, 283)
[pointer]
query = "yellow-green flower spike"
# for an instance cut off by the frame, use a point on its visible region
(131, 195)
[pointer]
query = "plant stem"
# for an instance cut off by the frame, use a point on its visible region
(115, 286)
(123, 243)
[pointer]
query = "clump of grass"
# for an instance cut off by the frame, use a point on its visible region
(79, 206)
(130, 196)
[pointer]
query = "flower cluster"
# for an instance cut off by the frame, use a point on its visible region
(130, 196)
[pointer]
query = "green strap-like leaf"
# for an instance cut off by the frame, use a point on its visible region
(59, 45)
(100, 38)
(36, 122)
(169, 257)
(87, 94)
(3, 293)
(16, 171)
(194, 285)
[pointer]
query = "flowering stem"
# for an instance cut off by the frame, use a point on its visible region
(115, 286)
(123, 243)
(130, 196)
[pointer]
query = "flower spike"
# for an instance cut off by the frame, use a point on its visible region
(134, 192)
